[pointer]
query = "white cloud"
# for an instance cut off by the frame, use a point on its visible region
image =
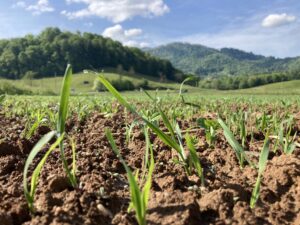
(130, 37)
(133, 32)
(40, 7)
(253, 38)
(276, 20)
(118, 10)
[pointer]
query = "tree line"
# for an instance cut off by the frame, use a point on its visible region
(47, 54)
(246, 81)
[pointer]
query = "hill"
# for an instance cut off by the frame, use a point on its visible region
(49, 52)
(281, 88)
(203, 61)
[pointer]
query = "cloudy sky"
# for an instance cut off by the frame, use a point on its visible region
(268, 27)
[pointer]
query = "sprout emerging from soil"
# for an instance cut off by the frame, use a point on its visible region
(139, 198)
(238, 149)
(174, 140)
(60, 133)
(62, 117)
(263, 158)
(29, 194)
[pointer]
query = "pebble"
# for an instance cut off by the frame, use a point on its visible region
(104, 211)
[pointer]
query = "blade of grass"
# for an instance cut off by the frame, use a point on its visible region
(147, 186)
(64, 100)
(136, 195)
(239, 151)
(167, 123)
(194, 158)
(62, 117)
(164, 137)
(36, 149)
(117, 95)
(263, 158)
(73, 171)
(36, 172)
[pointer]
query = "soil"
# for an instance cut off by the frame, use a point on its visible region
(103, 198)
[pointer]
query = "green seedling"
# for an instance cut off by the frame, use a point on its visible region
(210, 127)
(193, 158)
(73, 171)
(60, 133)
(168, 140)
(174, 140)
(239, 151)
(30, 130)
(129, 129)
(139, 197)
(243, 130)
(62, 117)
(286, 141)
(263, 158)
(181, 92)
(29, 194)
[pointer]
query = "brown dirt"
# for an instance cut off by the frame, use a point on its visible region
(103, 198)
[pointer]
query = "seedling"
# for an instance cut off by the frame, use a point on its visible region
(239, 151)
(62, 117)
(193, 159)
(210, 127)
(29, 194)
(139, 197)
(285, 140)
(60, 133)
(263, 158)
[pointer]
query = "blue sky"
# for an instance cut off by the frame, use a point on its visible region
(268, 27)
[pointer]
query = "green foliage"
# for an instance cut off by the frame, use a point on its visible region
(139, 198)
(169, 140)
(285, 140)
(238, 149)
(62, 117)
(47, 54)
(10, 89)
(194, 158)
(245, 81)
(29, 194)
(263, 158)
(203, 61)
(210, 127)
(32, 126)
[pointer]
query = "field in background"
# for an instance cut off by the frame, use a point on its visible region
(84, 83)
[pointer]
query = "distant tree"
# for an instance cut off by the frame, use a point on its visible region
(48, 53)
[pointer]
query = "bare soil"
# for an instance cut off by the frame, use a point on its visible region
(103, 198)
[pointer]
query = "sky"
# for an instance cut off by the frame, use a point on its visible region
(267, 27)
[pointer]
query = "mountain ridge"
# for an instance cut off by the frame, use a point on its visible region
(203, 61)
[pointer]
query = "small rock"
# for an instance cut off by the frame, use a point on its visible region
(58, 184)
(104, 211)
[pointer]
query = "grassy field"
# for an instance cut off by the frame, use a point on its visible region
(282, 88)
(84, 83)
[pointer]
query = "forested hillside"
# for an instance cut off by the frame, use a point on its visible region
(203, 61)
(48, 53)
